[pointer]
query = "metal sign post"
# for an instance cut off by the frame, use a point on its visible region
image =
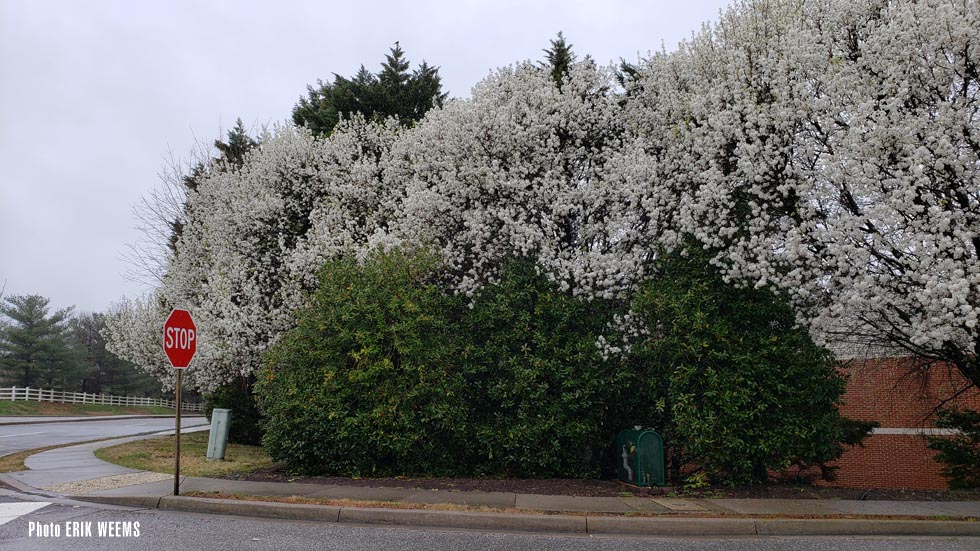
(177, 442)
(179, 344)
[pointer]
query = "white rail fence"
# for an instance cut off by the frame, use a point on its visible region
(60, 396)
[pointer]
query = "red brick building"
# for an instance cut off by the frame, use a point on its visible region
(902, 399)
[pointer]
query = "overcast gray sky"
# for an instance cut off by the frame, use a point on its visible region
(94, 94)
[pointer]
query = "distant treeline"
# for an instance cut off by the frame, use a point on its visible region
(62, 350)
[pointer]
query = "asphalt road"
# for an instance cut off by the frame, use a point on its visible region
(169, 530)
(15, 438)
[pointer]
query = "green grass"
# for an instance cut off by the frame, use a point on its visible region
(18, 408)
(157, 454)
(26, 408)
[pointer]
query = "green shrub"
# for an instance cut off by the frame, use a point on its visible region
(246, 419)
(369, 382)
(543, 401)
(741, 390)
(387, 374)
(960, 453)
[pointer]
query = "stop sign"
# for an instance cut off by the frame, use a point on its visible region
(179, 338)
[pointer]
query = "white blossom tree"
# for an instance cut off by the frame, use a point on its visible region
(134, 332)
(831, 149)
(828, 149)
(528, 169)
(252, 242)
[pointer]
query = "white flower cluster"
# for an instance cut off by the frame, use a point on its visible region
(529, 169)
(252, 244)
(829, 149)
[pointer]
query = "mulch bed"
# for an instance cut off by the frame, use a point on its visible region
(548, 486)
(801, 491)
(614, 488)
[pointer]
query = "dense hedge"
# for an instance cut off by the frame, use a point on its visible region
(246, 419)
(542, 400)
(387, 374)
(959, 453)
(369, 382)
(741, 389)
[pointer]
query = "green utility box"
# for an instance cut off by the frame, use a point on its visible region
(220, 425)
(640, 458)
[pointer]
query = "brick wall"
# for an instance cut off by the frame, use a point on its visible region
(890, 461)
(882, 390)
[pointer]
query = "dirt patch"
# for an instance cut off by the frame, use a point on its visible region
(613, 488)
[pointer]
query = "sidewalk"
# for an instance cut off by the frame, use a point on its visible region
(75, 471)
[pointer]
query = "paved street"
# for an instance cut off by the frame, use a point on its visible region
(15, 438)
(40, 520)
(186, 531)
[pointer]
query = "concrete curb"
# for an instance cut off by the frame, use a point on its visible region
(564, 524)
(20, 486)
(290, 511)
(657, 526)
(843, 527)
(96, 418)
(673, 525)
(142, 502)
(459, 519)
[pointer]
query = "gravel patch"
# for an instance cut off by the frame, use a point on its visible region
(108, 483)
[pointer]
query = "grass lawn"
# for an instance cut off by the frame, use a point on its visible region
(157, 454)
(26, 408)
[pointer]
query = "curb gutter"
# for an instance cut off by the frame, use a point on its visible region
(19, 486)
(606, 525)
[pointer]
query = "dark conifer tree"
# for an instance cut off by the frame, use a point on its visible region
(392, 92)
(239, 143)
(559, 58)
(33, 351)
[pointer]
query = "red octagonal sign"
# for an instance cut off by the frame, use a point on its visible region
(179, 338)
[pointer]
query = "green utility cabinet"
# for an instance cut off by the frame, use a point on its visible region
(220, 425)
(640, 458)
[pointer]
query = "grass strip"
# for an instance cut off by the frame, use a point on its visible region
(29, 408)
(157, 455)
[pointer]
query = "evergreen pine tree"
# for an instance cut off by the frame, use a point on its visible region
(33, 351)
(392, 92)
(239, 143)
(104, 372)
(559, 58)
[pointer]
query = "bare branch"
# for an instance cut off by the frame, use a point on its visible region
(160, 211)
